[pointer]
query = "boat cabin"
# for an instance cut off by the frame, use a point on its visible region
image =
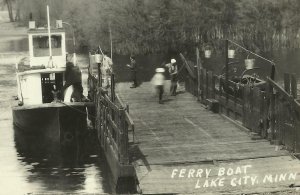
(39, 53)
(45, 75)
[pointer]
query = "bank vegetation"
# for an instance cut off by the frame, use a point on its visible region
(147, 26)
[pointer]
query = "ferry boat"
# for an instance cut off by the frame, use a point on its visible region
(46, 87)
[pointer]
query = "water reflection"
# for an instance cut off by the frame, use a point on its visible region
(50, 169)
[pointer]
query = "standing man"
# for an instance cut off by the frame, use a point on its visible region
(133, 68)
(173, 70)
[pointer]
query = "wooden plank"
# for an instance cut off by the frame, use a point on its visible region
(182, 133)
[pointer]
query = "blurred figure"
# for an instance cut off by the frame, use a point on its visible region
(173, 70)
(106, 71)
(158, 80)
(73, 90)
(133, 68)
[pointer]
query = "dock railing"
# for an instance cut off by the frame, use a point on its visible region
(271, 112)
(112, 119)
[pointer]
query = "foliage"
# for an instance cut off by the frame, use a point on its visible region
(147, 26)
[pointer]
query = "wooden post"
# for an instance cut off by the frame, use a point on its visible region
(89, 66)
(226, 62)
(287, 83)
(123, 147)
(202, 85)
(263, 113)
(272, 116)
(273, 72)
(226, 74)
(293, 85)
(199, 65)
(99, 75)
(112, 87)
(221, 94)
(243, 106)
(195, 81)
(206, 85)
(213, 86)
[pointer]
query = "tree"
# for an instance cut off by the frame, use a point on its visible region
(10, 9)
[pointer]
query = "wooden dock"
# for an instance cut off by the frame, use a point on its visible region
(181, 147)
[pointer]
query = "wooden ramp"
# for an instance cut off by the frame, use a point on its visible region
(181, 147)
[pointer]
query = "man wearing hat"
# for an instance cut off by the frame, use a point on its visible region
(158, 80)
(133, 68)
(173, 73)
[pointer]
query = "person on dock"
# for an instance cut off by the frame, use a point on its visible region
(133, 68)
(106, 71)
(173, 70)
(158, 81)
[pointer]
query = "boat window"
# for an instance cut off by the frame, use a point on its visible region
(41, 45)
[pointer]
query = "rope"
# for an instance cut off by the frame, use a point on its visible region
(251, 52)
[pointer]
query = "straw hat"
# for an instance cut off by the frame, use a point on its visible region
(173, 61)
(160, 70)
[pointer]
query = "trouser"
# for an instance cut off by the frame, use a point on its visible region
(160, 90)
(134, 78)
(173, 85)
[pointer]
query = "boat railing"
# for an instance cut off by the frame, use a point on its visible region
(112, 119)
(271, 112)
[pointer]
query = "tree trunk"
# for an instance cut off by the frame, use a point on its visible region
(10, 11)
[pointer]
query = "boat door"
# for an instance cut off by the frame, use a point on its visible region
(52, 84)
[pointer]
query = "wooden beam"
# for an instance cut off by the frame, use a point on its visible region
(187, 66)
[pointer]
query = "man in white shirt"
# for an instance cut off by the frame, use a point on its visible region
(158, 80)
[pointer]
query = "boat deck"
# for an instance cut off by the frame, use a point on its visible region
(181, 147)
